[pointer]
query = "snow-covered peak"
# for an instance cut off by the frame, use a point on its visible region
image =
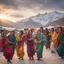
(45, 18)
(48, 17)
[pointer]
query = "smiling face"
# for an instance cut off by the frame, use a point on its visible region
(52, 29)
(3, 34)
(29, 32)
(11, 33)
(38, 32)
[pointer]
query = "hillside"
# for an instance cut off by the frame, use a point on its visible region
(6, 23)
(58, 22)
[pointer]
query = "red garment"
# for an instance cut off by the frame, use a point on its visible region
(30, 46)
(42, 29)
(57, 44)
(7, 50)
(0, 43)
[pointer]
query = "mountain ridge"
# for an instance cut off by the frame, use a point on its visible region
(59, 22)
(42, 19)
(35, 21)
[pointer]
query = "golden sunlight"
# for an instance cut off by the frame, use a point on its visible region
(3, 17)
(9, 18)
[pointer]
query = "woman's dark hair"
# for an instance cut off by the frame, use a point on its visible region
(3, 33)
(22, 32)
(52, 29)
(39, 30)
(61, 29)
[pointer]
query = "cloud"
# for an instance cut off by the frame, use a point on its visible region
(7, 2)
(34, 4)
(16, 15)
(25, 8)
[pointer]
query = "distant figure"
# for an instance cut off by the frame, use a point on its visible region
(48, 39)
(42, 30)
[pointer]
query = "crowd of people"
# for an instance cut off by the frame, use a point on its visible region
(55, 40)
(35, 40)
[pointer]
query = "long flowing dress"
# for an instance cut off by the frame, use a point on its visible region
(30, 46)
(39, 46)
(7, 50)
(48, 39)
(60, 49)
(53, 41)
(20, 46)
(12, 38)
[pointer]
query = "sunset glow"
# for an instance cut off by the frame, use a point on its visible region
(3, 17)
(16, 10)
(6, 17)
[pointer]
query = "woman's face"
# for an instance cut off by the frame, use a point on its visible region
(11, 33)
(59, 29)
(30, 32)
(38, 32)
(52, 30)
(19, 33)
(4, 35)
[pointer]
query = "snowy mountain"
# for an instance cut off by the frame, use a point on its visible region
(46, 18)
(28, 24)
(42, 19)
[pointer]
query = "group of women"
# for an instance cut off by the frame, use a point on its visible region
(55, 40)
(32, 42)
(52, 39)
(8, 45)
(12, 42)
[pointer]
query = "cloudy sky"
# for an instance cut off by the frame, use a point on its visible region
(16, 10)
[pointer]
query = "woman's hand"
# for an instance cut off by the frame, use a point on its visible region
(11, 42)
(30, 39)
(40, 41)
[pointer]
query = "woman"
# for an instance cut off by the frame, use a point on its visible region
(42, 30)
(41, 40)
(60, 49)
(20, 45)
(48, 39)
(12, 40)
(7, 50)
(30, 45)
(53, 34)
(56, 38)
